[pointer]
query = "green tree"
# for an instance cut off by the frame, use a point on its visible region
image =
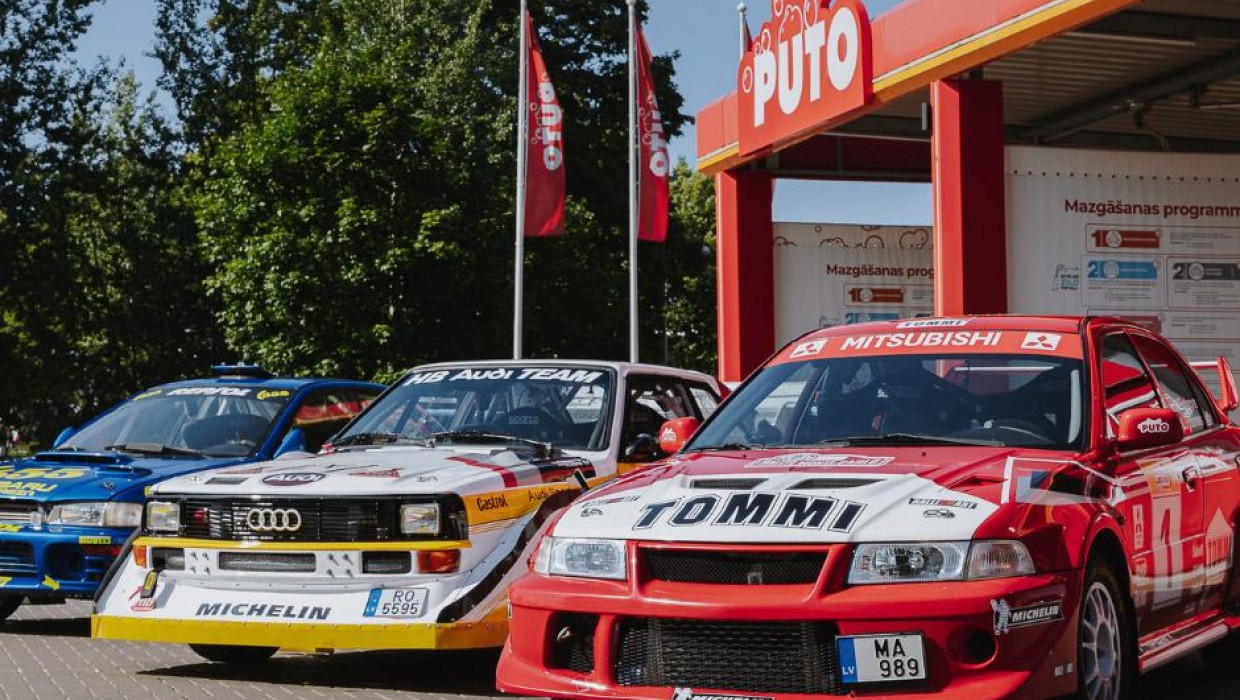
(361, 221)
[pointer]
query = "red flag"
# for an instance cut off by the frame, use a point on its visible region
(544, 164)
(654, 165)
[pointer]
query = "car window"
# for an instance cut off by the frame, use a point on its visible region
(219, 421)
(1125, 384)
(568, 406)
(324, 412)
(706, 399)
(651, 400)
(1004, 399)
(1176, 386)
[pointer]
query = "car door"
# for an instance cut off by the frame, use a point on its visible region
(1212, 480)
(1161, 509)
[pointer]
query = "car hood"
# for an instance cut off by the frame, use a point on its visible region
(821, 496)
(387, 470)
(59, 476)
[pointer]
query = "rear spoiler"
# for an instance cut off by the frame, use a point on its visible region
(1225, 397)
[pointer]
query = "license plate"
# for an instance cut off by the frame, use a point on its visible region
(882, 658)
(396, 602)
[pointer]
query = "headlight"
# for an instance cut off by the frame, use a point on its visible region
(96, 514)
(908, 562)
(419, 519)
(578, 557)
(162, 516)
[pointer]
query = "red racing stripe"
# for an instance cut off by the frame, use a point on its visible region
(510, 479)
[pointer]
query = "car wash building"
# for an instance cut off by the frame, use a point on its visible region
(1084, 157)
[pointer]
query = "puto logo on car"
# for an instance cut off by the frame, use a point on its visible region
(1153, 426)
(810, 63)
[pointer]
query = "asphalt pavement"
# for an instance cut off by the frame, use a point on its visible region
(46, 652)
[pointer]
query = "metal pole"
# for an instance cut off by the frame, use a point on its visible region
(740, 10)
(518, 272)
(633, 151)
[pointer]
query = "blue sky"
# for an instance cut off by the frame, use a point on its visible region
(705, 33)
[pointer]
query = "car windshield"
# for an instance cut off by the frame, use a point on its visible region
(205, 420)
(1008, 400)
(565, 406)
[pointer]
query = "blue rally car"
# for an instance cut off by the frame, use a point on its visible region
(65, 513)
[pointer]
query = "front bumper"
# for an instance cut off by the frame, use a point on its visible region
(965, 656)
(56, 562)
(332, 607)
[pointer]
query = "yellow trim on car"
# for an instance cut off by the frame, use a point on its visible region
(409, 545)
(316, 636)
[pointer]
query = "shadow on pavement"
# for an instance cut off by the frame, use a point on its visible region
(54, 627)
(448, 672)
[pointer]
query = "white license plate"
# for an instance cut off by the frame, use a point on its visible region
(882, 658)
(396, 602)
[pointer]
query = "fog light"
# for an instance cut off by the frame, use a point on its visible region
(386, 562)
(439, 561)
(164, 559)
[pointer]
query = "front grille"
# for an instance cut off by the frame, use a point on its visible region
(16, 511)
(749, 657)
(733, 568)
(321, 520)
(16, 559)
(267, 562)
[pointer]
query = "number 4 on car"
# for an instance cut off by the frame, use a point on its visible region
(989, 507)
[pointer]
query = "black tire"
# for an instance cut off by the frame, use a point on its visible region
(228, 654)
(9, 605)
(1222, 656)
(1106, 666)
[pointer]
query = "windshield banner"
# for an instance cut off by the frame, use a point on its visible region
(937, 341)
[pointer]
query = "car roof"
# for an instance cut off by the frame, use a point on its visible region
(622, 368)
(289, 383)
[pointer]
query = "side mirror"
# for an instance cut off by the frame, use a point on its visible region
(295, 441)
(675, 433)
(63, 437)
(644, 448)
(1144, 428)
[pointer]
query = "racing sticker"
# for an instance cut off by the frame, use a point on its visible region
(690, 694)
(293, 479)
(378, 473)
(265, 611)
(553, 374)
(811, 348)
(211, 391)
(269, 395)
(789, 510)
(934, 323)
(1008, 618)
(943, 503)
(820, 459)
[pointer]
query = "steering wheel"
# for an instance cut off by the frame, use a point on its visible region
(941, 405)
(531, 422)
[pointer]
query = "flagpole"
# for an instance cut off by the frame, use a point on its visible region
(518, 273)
(633, 150)
(740, 10)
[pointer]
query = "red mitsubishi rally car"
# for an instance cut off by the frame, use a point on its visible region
(989, 507)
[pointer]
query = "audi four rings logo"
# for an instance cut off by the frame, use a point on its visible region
(273, 520)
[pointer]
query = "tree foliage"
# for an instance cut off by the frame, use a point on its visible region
(334, 195)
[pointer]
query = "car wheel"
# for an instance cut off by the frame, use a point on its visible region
(228, 654)
(1107, 660)
(9, 605)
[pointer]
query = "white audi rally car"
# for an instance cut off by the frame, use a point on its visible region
(406, 531)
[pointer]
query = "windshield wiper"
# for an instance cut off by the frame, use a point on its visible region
(728, 446)
(906, 439)
(478, 435)
(359, 439)
(154, 448)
